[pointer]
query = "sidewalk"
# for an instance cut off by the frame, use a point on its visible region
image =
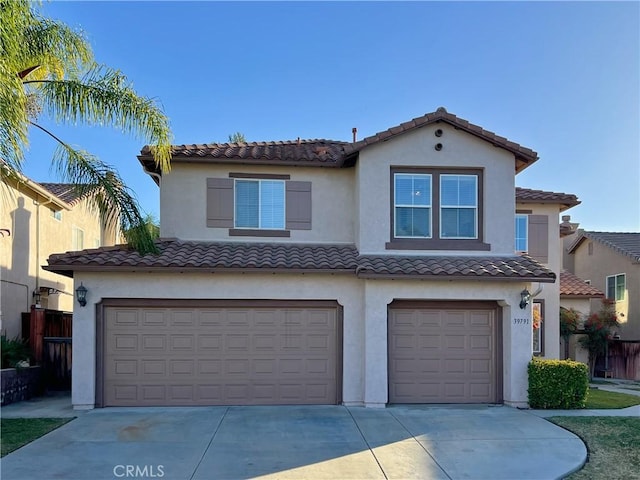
(48, 406)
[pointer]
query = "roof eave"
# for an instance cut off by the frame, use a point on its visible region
(40, 193)
(68, 270)
(503, 278)
(575, 296)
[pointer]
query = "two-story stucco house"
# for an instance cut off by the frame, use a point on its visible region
(38, 219)
(322, 272)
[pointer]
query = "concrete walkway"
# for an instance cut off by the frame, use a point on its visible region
(300, 442)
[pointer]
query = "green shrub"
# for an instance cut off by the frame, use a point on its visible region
(557, 384)
(14, 351)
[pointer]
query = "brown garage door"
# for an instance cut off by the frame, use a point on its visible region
(443, 353)
(221, 354)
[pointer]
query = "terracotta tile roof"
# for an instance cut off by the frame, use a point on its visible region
(527, 195)
(319, 152)
(524, 154)
(325, 153)
(179, 255)
(65, 191)
(522, 267)
(572, 286)
(626, 243)
(209, 256)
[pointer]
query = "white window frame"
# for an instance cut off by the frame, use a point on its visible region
(260, 181)
(615, 286)
(402, 205)
(524, 216)
(442, 206)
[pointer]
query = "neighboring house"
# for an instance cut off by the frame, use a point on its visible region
(39, 219)
(610, 262)
(323, 272)
(576, 294)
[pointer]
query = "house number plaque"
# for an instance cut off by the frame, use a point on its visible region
(521, 321)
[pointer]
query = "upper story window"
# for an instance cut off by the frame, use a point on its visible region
(259, 204)
(616, 286)
(532, 235)
(522, 232)
(77, 238)
(412, 205)
(57, 214)
(458, 206)
(436, 209)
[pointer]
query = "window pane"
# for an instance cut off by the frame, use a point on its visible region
(247, 203)
(620, 287)
(458, 190)
(467, 191)
(611, 288)
(521, 233)
(449, 190)
(412, 222)
(271, 204)
(422, 190)
(403, 190)
(458, 223)
(412, 189)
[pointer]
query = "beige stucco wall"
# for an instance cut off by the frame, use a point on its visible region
(416, 149)
(550, 292)
(183, 203)
(36, 234)
(365, 319)
(604, 262)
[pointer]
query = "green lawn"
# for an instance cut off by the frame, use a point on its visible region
(17, 432)
(612, 443)
(597, 398)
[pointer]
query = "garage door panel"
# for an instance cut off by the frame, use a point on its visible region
(453, 360)
(246, 356)
(210, 342)
(153, 318)
(209, 318)
(455, 341)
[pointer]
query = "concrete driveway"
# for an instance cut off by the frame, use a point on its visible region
(315, 442)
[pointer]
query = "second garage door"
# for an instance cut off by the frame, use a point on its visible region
(443, 353)
(258, 354)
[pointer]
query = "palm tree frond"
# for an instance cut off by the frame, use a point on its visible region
(104, 96)
(106, 193)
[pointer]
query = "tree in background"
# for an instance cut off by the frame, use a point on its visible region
(47, 67)
(237, 137)
(598, 328)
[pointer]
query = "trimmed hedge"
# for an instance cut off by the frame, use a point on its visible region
(558, 384)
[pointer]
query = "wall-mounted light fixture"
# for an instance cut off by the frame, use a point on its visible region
(525, 298)
(81, 295)
(36, 297)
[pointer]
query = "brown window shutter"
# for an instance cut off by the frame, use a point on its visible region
(220, 202)
(539, 238)
(298, 205)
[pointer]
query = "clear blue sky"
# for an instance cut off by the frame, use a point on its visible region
(560, 78)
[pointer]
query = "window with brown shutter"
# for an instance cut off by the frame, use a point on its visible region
(538, 241)
(221, 206)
